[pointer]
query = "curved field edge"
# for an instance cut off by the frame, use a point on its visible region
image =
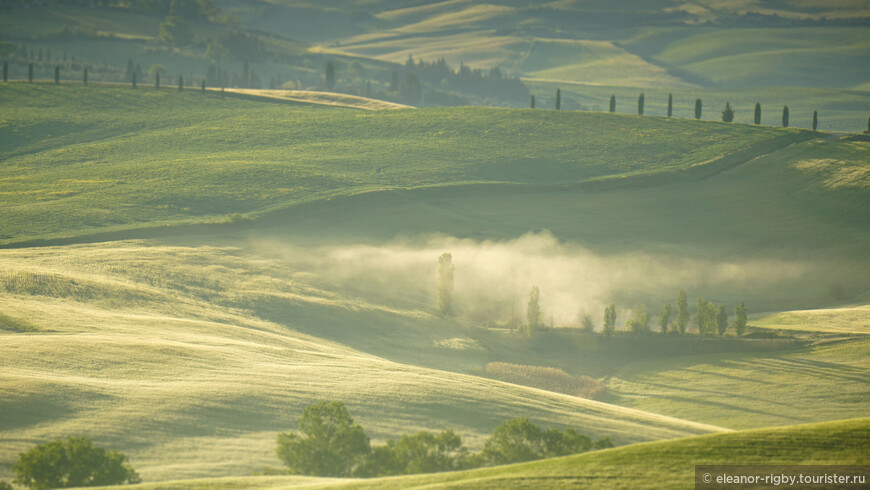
(85, 160)
(662, 464)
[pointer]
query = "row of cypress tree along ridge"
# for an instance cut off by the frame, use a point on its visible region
(727, 113)
(57, 78)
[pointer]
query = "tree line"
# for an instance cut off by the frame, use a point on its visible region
(329, 443)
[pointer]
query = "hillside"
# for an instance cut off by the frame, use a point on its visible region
(668, 464)
(162, 352)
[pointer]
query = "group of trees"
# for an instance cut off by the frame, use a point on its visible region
(329, 443)
(73, 462)
(710, 319)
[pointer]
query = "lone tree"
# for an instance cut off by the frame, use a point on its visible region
(56, 74)
(157, 80)
(327, 443)
(815, 120)
(180, 83)
(670, 105)
(757, 113)
(728, 113)
(30, 73)
(134, 79)
(532, 102)
(721, 320)
(612, 103)
(330, 75)
(558, 99)
(533, 311)
(698, 108)
(73, 462)
(444, 291)
(609, 320)
(665, 318)
(5, 71)
(640, 104)
(588, 324)
(785, 116)
(202, 87)
(85, 76)
(682, 311)
(740, 319)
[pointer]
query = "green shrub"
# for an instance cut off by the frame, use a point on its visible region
(73, 462)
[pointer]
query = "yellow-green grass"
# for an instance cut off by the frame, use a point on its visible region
(331, 99)
(838, 109)
(82, 159)
(750, 57)
(666, 464)
(158, 351)
(843, 320)
(825, 381)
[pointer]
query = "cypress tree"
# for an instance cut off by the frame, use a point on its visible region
(558, 99)
(5, 71)
(330, 75)
(203, 86)
(757, 113)
(612, 103)
(698, 107)
(180, 83)
(670, 105)
(868, 124)
(134, 79)
(815, 120)
(85, 76)
(56, 73)
(532, 102)
(157, 80)
(785, 116)
(640, 104)
(30, 73)
(728, 113)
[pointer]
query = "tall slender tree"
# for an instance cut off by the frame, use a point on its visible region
(640, 104)
(202, 87)
(757, 113)
(670, 105)
(56, 73)
(5, 71)
(728, 113)
(612, 103)
(740, 319)
(815, 120)
(533, 311)
(698, 107)
(682, 311)
(30, 73)
(665, 319)
(532, 102)
(444, 291)
(157, 80)
(180, 83)
(134, 79)
(558, 99)
(609, 320)
(721, 320)
(85, 76)
(785, 116)
(701, 316)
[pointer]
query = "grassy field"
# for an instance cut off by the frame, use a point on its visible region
(846, 320)
(668, 464)
(79, 159)
(162, 352)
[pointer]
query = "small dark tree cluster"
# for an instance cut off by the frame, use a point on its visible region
(728, 113)
(329, 443)
(74, 462)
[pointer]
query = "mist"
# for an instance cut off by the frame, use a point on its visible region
(493, 278)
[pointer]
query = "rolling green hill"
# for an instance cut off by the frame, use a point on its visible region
(88, 159)
(668, 464)
(161, 352)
